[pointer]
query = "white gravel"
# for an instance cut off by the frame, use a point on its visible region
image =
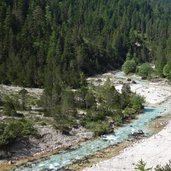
(154, 93)
(154, 150)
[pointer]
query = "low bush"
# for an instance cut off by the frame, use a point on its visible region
(9, 107)
(16, 129)
(145, 70)
(99, 127)
(141, 166)
(129, 66)
(137, 102)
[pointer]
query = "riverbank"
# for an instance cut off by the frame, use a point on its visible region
(155, 150)
(51, 142)
(108, 153)
(60, 160)
(139, 86)
(155, 126)
(154, 91)
(48, 141)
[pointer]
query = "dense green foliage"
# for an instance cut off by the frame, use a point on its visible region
(47, 42)
(111, 108)
(9, 107)
(129, 66)
(12, 103)
(102, 106)
(167, 70)
(13, 130)
(145, 70)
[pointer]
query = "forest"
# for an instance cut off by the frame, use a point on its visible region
(44, 43)
(57, 44)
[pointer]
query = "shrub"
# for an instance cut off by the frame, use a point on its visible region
(9, 107)
(95, 115)
(129, 112)
(99, 128)
(90, 100)
(141, 166)
(1, 101)
(167, 71)
(16, 129)
(129, 66)
(167, 167)
(136, 102)
(145, 70)
(118, 118)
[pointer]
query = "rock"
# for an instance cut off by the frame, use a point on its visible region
(66, 131)
(128, 79)
(38, 109)
(134, 82)
(137, 133)
(158, 117)
(11, 162)
(137, 44)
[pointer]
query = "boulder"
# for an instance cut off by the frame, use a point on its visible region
(137, 133)
(134, 82)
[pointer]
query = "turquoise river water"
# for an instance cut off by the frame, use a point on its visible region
(55, 162)
(58, 161)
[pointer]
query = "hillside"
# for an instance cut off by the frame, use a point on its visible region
(42, 42)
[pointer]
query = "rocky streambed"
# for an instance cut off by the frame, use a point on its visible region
(58, 161)
(160, 106)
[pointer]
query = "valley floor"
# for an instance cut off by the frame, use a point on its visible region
(154, 150)
(154, 92)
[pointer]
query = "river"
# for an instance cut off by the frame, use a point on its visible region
(58, 161)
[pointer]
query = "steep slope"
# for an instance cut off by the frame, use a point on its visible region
(45, 41)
